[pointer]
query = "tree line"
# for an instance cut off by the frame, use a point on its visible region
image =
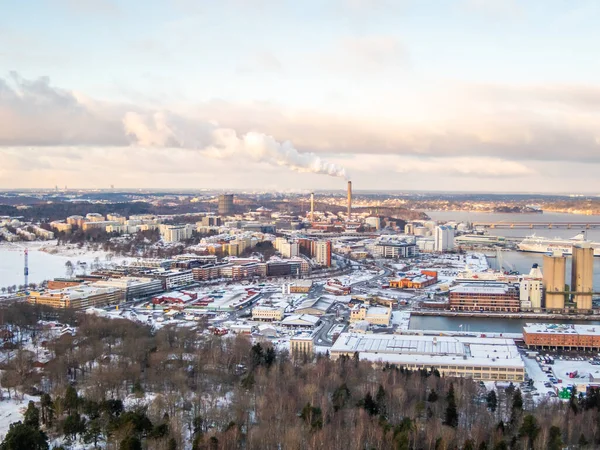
(120, 385)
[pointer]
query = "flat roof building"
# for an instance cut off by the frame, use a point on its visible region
(485, 359)
(485, 297)
(562, 336)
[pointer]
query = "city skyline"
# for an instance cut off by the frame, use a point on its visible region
(469, 95)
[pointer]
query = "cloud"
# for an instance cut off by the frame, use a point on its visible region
(513, 123)
(168, 130)
(465, 167)
(33, 112)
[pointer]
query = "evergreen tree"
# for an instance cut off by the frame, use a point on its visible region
(340, 396)
(130, 443)
(492, 401)
(380, 400)
(47, 409)
(312, 416)
(32, 415)
(451, 416)
(555, 439)
(469, 444)
(71, 400)
(270, 357)
(530, 429)
(93, 432)
(501, 445)
(370, 405)
(432, 397)
(24, 437)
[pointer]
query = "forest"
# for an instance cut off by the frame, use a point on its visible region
(116, 384)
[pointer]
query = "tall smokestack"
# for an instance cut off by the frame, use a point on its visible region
(349, 198)
(312, 207)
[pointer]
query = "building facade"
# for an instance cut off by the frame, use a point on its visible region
(225, 206)
(485, 297)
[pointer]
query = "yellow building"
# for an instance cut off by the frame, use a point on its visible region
(267, 313)
(77, 297)
(375, 315)
(302, 344)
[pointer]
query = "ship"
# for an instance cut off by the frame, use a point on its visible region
(538, 244)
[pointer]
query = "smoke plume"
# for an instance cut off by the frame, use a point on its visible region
(167, 130)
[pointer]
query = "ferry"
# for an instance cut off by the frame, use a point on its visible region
(537, 244)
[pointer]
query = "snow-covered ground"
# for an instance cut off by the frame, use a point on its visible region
(12, 411)
(402, 319)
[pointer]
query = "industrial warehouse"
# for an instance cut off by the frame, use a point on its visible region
(486, 359)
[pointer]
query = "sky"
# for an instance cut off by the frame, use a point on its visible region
(456, 95)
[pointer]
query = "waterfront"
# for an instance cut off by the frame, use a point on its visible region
(481, 324)
(44, 265)
(522, 261)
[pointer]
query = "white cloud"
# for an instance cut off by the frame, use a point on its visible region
(465, 167)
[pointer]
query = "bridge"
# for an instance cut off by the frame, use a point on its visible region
(534, 225)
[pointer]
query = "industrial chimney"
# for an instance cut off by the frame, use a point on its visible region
(349, 199)
(312, 207)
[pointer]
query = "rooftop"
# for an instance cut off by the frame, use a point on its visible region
(487, 288)
(561, 328)
(430, 349)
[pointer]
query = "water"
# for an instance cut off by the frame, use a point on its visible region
(42, 265)
(520, 261)
(479, 324)
(467, 216)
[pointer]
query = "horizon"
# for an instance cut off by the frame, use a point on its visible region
(467, 96)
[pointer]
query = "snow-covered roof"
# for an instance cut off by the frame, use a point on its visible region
(554, 328)
(300, 319)
(433, 350)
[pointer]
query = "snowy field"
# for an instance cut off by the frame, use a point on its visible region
(12, 410)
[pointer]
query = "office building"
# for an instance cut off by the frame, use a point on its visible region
(554, 281)
(473, 357)
(484, 297)
(444, 238)
(267, 313)
(225, 204)
(132, 287)
(582, 276)
(395, 249)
